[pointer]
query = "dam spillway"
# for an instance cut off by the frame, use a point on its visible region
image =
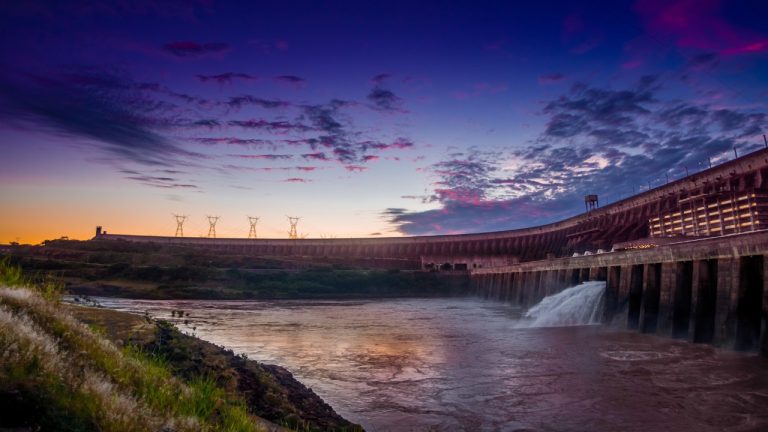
(706, 290)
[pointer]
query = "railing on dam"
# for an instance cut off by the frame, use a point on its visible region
(710, 290)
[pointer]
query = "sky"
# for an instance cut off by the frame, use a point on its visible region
(364, 119)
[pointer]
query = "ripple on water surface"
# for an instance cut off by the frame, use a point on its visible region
(460, 364)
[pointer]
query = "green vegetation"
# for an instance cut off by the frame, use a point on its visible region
(58, 374)
(123, 269)
(67, 367)
(13, 276)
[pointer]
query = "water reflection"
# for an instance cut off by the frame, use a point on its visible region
(459, 364)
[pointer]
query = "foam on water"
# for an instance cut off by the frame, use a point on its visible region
(578, 305)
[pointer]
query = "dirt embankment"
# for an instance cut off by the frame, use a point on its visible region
(271, 392)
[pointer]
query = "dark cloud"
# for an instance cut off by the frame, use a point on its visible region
(247, 142)
(238, 102)
(207, 123)
(227, 77)
(291, 80)
(385, 100)
(108, 110)
(457, 217)
(188, 49)
(400, 143)
(273, 126)
(613, 143)
(327, 120)
(297, 180)
(315, 156)
(585, 107)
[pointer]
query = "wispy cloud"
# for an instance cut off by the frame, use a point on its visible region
(273, 126)
(190, 49)
(246, 142)
(262, 156)
(106, 110)
(290, 80)
(227, 77)
(552, 78)
(238, 102)
(315, 156)
(161, 182)
(379, 79)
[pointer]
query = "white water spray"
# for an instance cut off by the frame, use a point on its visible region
(578, 305)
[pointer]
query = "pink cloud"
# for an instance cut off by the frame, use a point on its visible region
(297, 180)
(262, 156)
(699, 24)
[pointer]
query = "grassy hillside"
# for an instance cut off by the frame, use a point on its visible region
(126, 373)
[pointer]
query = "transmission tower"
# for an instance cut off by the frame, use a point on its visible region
(292, 234)
(212, 226)
(253, 221)
(180, 224)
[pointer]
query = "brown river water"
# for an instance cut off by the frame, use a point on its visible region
(466, 364)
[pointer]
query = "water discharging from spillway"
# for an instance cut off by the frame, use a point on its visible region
(578, 305)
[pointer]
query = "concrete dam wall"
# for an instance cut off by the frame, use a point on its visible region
(711, 290)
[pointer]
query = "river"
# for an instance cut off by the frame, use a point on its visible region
(469, 364)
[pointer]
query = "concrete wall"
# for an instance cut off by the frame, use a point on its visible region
(707, 291)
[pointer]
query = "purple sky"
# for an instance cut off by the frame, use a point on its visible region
(363, 118)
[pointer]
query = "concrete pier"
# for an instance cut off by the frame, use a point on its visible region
(709, 290)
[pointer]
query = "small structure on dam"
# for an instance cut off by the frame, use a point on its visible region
(686, 259)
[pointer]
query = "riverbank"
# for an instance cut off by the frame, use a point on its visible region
(165, 273)
(72, 367)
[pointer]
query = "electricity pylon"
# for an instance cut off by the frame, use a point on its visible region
(253, 221)
(292, 234)
(212, 226)
(180, 224)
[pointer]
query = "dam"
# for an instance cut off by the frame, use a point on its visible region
(686, 259)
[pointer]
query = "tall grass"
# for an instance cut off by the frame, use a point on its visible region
(81, 381)
(13, 276)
